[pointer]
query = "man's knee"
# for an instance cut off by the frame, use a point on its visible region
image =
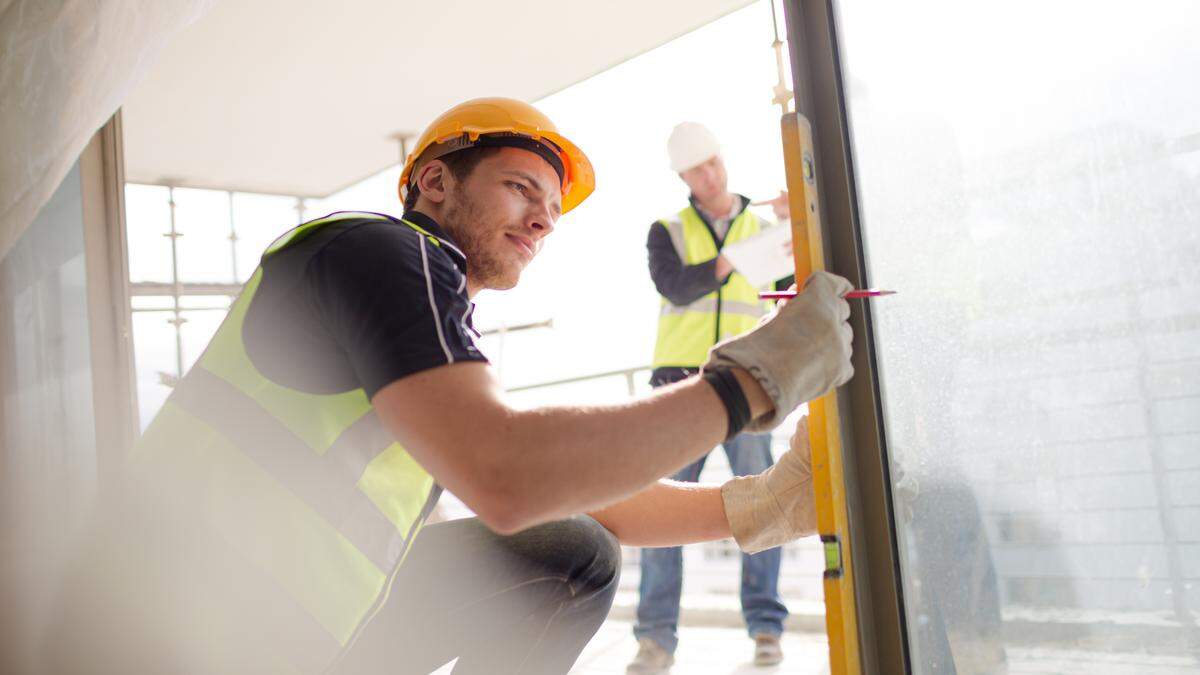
(600, 552)
(596, 582)
(585, 552)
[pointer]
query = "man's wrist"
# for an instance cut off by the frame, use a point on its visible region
(760, 403)
(729, 390)
(722, 269)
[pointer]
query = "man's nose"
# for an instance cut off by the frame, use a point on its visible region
(541, 221)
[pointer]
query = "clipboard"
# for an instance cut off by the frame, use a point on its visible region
(765, 257)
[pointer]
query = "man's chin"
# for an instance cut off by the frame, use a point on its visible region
(503, 282)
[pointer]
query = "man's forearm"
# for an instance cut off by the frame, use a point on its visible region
(580, 459)
(668, 513)
(605, 455)
(518, 468)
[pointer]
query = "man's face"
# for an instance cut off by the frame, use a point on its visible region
(707, 180)
(501, 214)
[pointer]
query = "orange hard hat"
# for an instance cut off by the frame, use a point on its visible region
(463, 125)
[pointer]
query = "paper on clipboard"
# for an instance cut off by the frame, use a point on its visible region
(763, 258)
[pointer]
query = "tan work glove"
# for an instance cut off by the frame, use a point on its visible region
(777, 505)
(797, 353)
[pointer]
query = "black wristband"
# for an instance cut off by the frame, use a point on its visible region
(737, 408)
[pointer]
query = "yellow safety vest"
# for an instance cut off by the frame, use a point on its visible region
(686, 333)
(310, 491)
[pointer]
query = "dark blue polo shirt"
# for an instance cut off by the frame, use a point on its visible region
(361, 303)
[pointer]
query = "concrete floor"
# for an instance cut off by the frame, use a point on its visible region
(722, 650)
(718, 650)
(704, 650)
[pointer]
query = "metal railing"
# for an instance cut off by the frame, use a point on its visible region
(627, 373)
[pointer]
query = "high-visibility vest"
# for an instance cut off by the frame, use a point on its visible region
(686, 333)
(311, 491)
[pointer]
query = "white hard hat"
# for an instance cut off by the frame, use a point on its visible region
(691, 144)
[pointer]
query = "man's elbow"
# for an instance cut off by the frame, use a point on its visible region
(680, 299)
(667, 289)
(504, 521)
(503, 503)
(506, 516)
(682, 294)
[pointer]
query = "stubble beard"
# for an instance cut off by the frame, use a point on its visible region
(464, 221)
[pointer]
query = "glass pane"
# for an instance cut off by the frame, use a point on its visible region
(204, 249)
(1027, 176)
(154, 350)
(149, 302)
(197, 330)
(259, 220)
(148, 220)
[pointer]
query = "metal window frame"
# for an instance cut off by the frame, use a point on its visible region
(878, 593)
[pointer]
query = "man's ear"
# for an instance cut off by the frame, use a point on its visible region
(433, 180)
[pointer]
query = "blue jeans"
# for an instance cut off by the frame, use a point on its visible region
(662, 568)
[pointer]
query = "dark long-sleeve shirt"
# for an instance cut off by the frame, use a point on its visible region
(680, 284)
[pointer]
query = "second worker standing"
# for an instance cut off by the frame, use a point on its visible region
(704, 300)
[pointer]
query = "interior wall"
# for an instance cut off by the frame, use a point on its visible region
(47, 425)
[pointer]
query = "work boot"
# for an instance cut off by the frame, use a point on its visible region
(767, 651)
(651, 659)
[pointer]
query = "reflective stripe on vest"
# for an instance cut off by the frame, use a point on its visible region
(687, 332)
(310, 489)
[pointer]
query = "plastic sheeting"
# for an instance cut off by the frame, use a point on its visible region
(65, 68)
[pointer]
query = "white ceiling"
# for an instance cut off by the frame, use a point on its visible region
(302, 98)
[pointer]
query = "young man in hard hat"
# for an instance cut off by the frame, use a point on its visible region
(282, 489)
(704, 300)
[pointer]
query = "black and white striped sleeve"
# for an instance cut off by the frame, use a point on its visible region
(395, 303)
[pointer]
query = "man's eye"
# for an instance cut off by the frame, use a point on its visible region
(519, 187)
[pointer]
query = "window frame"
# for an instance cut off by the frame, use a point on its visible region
(878, 592)
(102, 170)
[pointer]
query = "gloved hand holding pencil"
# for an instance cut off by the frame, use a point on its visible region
(798, 352)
